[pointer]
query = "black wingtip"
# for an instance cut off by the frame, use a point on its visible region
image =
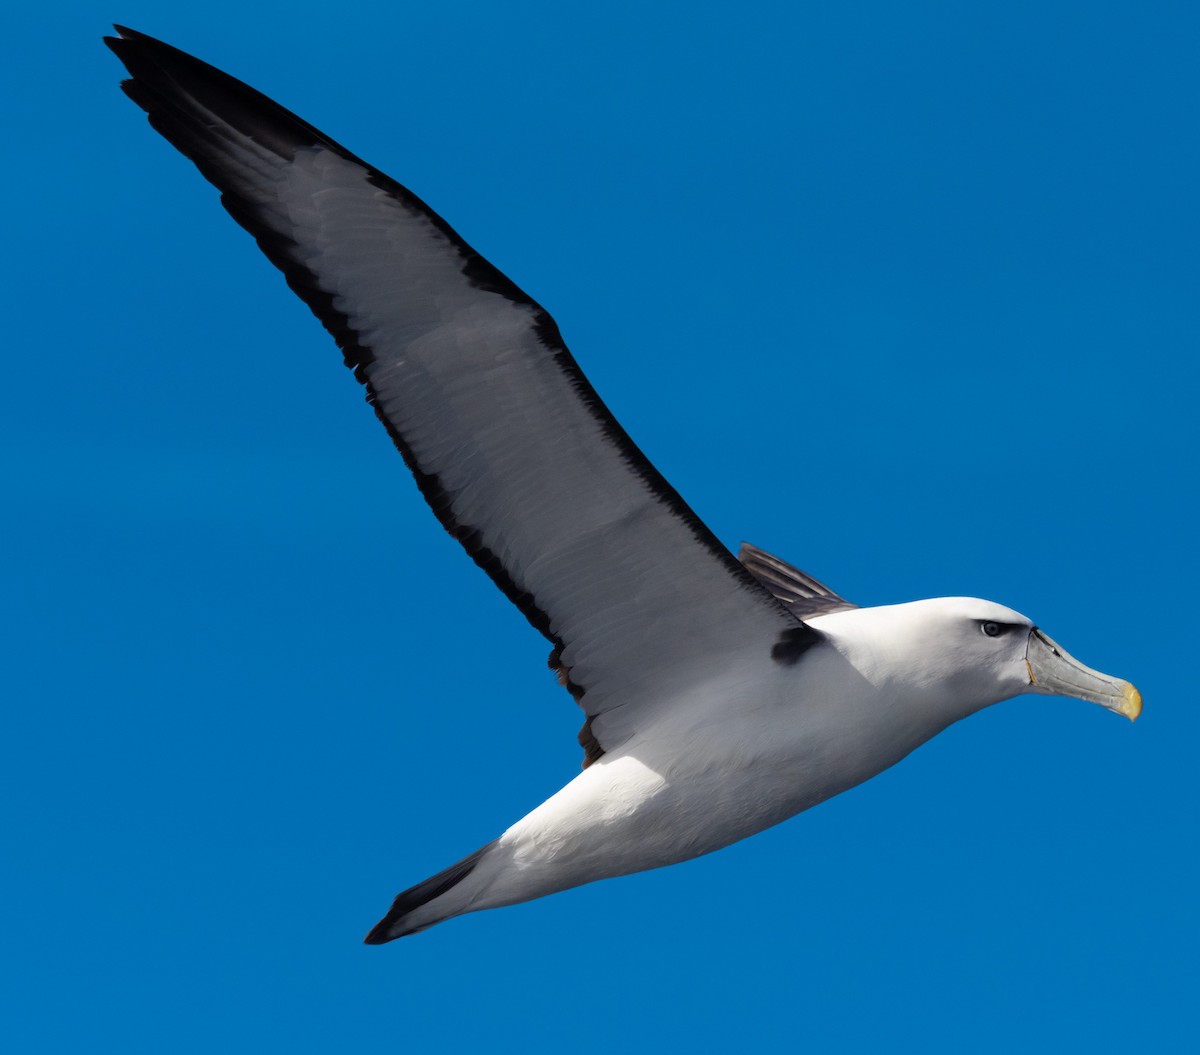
(173, 87)
(132, 36)
(128, 38)
(114, 44)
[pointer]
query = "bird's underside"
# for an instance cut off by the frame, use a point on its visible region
(673, 647)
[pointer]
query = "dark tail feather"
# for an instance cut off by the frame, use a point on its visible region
(392, 925)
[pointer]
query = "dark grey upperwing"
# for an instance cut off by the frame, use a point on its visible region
(508, 442)
(803, 595)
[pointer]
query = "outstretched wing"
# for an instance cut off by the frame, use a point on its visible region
(508, 442)
(804, 596)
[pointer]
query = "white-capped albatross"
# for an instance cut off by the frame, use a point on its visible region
(721, 695)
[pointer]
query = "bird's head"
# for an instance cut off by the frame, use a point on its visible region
(971, 653)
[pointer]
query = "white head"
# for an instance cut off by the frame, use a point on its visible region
(955, 655)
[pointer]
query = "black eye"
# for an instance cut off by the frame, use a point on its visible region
(990, 629)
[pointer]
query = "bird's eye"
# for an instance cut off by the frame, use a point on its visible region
(990, 629)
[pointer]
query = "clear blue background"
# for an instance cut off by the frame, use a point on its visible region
(904, 292)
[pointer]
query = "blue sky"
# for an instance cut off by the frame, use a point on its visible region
(905, 293)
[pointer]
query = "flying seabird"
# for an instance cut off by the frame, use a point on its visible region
(722, 695)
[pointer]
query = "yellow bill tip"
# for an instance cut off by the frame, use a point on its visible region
(1131, 707)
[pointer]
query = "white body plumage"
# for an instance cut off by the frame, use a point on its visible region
(753, 744)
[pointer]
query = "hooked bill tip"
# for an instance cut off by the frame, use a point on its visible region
(1131, 707)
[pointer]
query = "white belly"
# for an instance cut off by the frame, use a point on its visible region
(737, 765)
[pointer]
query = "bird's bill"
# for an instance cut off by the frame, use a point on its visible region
(1052, 670)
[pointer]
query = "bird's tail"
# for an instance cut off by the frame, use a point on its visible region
(405, 915)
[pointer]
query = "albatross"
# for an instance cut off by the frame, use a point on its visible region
(721, 694)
